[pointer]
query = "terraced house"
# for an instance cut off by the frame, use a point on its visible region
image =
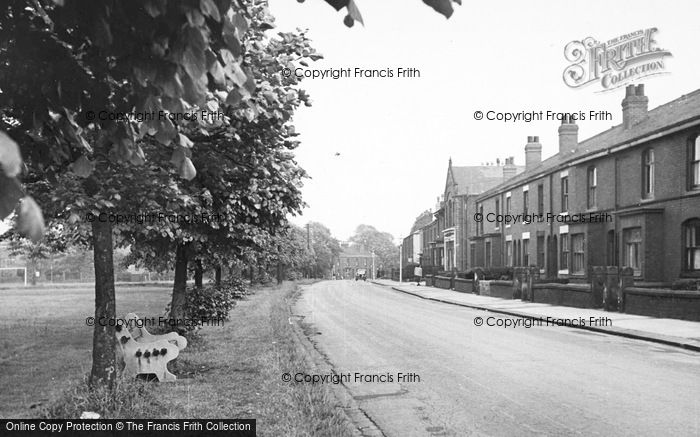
(629, 197)
(444, 239)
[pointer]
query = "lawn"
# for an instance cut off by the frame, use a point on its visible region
(45, 343)
(232, 371)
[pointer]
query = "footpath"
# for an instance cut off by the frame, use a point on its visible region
(672, 332)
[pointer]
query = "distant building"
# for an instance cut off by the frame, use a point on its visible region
(412, 246)
(353, 257)
(445, 239)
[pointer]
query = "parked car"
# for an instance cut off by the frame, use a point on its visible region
(361, 274)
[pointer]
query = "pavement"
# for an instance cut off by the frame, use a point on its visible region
(417, 367)
(672, 332)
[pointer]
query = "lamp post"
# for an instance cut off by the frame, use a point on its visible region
(400, 266)
(374, 274)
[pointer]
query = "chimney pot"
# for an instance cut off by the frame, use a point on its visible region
(568, 136)
(634, 106)
(533, 152)
(509, 170)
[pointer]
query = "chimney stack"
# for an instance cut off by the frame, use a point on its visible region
(533, 152)
(634, 106)
(568, 135)
(509, 169)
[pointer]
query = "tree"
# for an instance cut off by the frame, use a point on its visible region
(353, 13)
(154, 57)
(325, 249)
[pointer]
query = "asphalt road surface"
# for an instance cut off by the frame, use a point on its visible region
(492, 380)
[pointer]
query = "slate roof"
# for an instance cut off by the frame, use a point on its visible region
(675, 112)
(475, 179)
(424, 219)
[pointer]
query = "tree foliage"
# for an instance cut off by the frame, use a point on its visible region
(382, 243)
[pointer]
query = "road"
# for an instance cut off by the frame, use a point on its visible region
(548, 380)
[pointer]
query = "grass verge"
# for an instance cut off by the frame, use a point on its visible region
(235, 372)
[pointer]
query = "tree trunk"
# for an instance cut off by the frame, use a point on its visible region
(198, 273)
(217, 276)
(177, 305)
(280, 273)
(33, 264)
(103, 340)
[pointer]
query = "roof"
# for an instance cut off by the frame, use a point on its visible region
(354, 250)
(476, 179)
(425, 218)
(675, 112)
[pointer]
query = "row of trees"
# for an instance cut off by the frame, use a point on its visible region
(67, 63)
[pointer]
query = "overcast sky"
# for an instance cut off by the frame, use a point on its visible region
(395, 135)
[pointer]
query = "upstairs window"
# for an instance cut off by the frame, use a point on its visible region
(648, 173)
(592, 185)
(694, 163)
(565, 194)
(540, 199)
(498, 209)
(526, 202)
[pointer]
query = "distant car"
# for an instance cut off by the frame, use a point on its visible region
(361, 274)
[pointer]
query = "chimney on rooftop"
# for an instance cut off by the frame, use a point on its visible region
(634, 106)
(568, 135)
(533, 152)
(509, 169)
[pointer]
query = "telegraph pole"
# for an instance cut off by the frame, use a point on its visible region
(374, 274)
(400, 266)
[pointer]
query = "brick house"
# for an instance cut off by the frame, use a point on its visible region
(445, 239)
(637, 185)
(412, 245)
(353, 257)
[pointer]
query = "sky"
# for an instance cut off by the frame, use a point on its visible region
(377, 149)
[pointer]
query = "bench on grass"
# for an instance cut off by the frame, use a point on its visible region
(144, 353)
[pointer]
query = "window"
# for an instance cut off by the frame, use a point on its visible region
(648, 173)
(691, 245)
(526, 202)
(564, 258)
(578, 257)
(526, 254)
(509, 253)
(508, 205)
(480, 225)
(498, 209)
(540, 251)
(592, 185)
(694, 163)
(487, 256)
(632, 240)
(540, 199)
(472, 255)
(565, 194)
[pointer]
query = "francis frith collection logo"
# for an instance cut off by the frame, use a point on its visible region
(616, 62)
